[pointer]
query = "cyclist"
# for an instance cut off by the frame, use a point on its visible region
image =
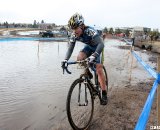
(93, 48)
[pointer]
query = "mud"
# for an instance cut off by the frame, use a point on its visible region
(129, 86)
(122, 111)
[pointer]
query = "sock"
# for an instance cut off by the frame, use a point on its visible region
(104, 92)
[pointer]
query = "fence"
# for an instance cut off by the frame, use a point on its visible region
(143, 118)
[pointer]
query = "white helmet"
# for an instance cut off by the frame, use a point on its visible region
(75, 21)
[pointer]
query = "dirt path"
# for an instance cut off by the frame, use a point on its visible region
(128, 90)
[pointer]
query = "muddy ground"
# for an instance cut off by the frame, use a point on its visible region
(129, 85)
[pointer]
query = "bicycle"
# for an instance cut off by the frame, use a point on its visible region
(85, 93)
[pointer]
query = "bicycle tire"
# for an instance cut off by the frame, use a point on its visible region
(68, 107)
(106, 76)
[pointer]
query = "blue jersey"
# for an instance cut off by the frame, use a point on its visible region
(87, 37)
(90, 37)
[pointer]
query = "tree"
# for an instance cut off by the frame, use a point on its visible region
(127, 32)
(63, 28)
(111, 31)
(118, 31)
(5, 24)
(54, 25)
(35, 24)
(42, 21)
(154, 35)
(49, 27)
(105, 30)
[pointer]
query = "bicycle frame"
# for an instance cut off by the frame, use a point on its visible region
(85, 76)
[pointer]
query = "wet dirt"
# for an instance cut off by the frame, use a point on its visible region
(129, 86)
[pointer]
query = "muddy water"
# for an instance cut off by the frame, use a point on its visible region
(33, 89)
(32, 86)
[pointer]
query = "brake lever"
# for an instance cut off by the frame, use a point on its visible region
(66, 69)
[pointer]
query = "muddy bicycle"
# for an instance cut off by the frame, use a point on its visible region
(81, 95)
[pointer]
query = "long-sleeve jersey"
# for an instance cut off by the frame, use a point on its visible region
(90, 37)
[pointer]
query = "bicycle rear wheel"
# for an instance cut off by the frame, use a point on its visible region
(106, 78)
(80, 105)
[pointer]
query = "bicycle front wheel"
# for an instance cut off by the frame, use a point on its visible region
(80, 105)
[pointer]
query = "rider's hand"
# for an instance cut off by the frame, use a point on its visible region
(64, 63)
(91, 58)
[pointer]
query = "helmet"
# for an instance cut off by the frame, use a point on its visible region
(75, 21)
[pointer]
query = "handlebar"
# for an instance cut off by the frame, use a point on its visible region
(65, 68)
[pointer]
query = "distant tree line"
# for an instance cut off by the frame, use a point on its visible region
(127, 32)
(24, 25)
(154, 35)
(117, 31)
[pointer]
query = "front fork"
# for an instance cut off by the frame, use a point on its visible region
(85, 93)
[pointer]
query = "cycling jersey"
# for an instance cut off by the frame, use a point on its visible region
(90, 37)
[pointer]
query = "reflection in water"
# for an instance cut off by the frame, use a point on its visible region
(38, 53)
(58, 48)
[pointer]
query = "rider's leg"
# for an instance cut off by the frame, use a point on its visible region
(84, 53)
(101, 76)
(81, 56)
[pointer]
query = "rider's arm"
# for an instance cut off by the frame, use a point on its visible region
(70, 50)
(98, 40)
(72, 42)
